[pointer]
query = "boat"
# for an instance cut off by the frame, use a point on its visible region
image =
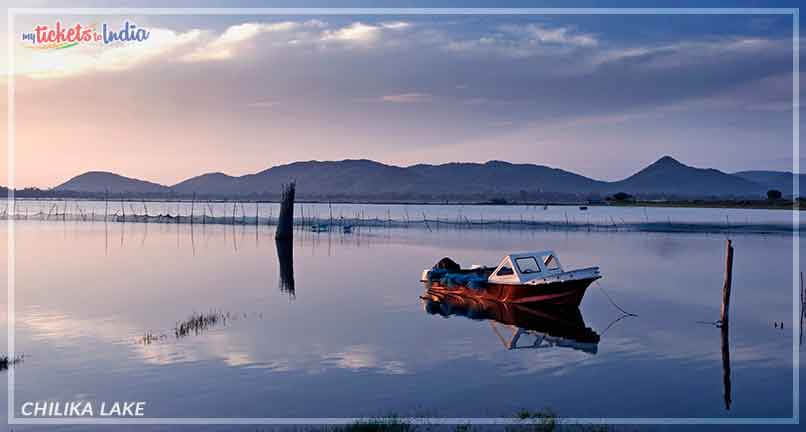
(583, 208)
(520, 278)
(531, 327)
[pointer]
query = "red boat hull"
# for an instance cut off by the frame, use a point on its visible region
(566, 293)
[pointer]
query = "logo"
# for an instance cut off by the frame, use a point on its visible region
(61, 36)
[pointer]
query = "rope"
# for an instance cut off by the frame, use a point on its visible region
(612, 323)
(613, 302)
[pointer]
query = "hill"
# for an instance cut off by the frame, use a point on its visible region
(365, 179)
(362, 177)
(780, 180)
(95, 182)
(669, 177)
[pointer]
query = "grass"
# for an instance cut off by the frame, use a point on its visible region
(533, 421)
(388, 424)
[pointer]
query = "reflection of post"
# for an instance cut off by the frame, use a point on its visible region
(726, 365)
(802, 307)
(285, 255)
(285, 223)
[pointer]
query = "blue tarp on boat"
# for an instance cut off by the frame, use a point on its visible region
(470, 280)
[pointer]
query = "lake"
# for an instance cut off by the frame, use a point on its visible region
(98, 305)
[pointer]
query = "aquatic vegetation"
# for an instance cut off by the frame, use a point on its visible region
(7, 362)
(149, 337)
(199, 322)
(387, 424)
(527, 217)
(542, 420)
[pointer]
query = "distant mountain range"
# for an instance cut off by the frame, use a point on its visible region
(366, 179)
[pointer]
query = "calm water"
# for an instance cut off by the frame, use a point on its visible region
(355, 339)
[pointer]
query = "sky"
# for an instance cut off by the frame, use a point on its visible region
(601, 95)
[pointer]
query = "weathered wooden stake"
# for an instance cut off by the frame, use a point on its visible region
(725, 314)
(285, 222)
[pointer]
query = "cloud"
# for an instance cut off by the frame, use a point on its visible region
(524, 41)
(396, 25)
(560, 35)
(264, 104)
(407, 98)
(685, 52)
(225, 46)
(362, 33)
(355, 32)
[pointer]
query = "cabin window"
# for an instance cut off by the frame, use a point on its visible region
(504, 271)
(552, 263)
(527, 265)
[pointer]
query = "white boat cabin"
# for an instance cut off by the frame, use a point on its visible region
(521, 268)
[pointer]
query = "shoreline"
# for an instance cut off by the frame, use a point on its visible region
(787, 205)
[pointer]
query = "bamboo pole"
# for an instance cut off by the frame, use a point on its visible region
(725, 313)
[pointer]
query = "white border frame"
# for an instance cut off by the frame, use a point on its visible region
(794, 12)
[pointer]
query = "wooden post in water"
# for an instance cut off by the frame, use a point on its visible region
(285, 222)
(724, 315)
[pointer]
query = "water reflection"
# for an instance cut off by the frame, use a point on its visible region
(531, 327)
(725, 341)
(285, 256)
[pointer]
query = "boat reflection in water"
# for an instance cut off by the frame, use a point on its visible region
(531, 327)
